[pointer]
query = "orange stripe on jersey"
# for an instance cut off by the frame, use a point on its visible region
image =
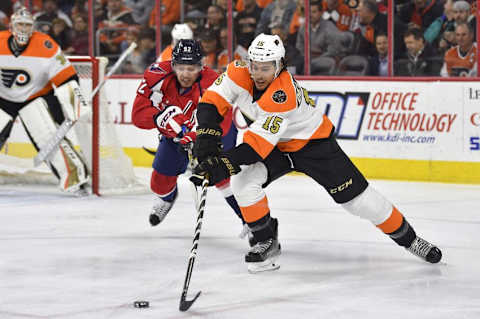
(256, 211)
(63, 75)
(237, 71)
(280, 95)
(258, 143)
(47, 88)
(41, 45)
(294, 145)
(393, 222)
(324, 130)
(216, 99)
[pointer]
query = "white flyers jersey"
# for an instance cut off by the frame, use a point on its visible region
(283, 116)
(32, 73)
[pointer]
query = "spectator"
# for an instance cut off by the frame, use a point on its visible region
(421, 13)
(216, 19)
(337, 12)
(143, 55)
(461, 11)
(293, 57)
(170, 11)
(462, 14)
(179, 31)
(446, 23)
(79, 8)
(196, 5)
(298, 20)
(60, 33)
(130, 37)
(114, 27)
(141, 10)
(279, 12)
(371, 23)
(378, 64)
(224, 5)
(461, 60)
(210, 47)
(3, 21)
(79, 37)
(325, 39)
(262, 4)
(51, 12)
(195, 20)
(239, 53)
(246, 21)
(422, 59)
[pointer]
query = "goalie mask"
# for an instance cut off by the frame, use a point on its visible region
(21, 26)
(265, 48)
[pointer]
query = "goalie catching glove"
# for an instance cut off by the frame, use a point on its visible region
(171, 122)
(215, 168)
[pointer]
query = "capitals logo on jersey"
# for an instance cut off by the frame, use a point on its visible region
(11, 77)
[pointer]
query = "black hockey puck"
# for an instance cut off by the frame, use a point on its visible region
(141, 304)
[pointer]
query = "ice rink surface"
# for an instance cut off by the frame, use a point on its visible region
(66, 257)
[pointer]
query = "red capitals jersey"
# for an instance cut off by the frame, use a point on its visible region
(159, 77)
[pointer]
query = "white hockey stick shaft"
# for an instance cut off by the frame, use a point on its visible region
(54, 141)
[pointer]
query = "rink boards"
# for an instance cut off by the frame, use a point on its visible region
(405, 130)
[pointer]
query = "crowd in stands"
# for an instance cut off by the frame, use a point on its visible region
(347, 37)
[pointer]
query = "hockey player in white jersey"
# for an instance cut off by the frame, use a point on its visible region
(31, 65)
(286, 133)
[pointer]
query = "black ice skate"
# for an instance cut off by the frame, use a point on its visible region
(263, 256)
(160, 210)
(423, 249)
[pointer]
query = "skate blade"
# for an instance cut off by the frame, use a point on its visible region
(267, 265)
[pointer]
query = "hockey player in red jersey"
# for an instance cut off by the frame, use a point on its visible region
(286, 133)
(167, 100)
(31, 66)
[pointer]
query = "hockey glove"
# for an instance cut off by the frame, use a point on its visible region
(170, 121)
(208, 143)
(215, 168)
(186, 142)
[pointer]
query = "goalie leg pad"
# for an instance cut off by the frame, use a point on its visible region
(68, 165)
(370, 205)
(6, 124)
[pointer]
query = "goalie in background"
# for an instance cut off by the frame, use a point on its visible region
(167, 100)
(286, 133)
(31, 65)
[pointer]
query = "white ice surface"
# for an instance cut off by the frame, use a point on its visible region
(66, 257)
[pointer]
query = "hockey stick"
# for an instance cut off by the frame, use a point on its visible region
(184, 303)
(54, 141)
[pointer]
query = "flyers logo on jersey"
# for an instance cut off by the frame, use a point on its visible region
(11, 77)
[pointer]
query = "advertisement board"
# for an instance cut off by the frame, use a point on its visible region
(408, 130)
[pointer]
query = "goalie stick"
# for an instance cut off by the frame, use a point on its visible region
(48, 148)
(184, 303)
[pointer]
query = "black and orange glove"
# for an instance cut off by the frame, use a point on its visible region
(215, 168)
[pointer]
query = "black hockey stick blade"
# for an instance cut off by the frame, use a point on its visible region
(186, 304)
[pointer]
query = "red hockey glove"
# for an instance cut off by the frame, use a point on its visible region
(186, 142)
(170, 121)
